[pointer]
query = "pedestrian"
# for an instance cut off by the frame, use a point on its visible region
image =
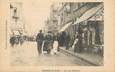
(21, 40)
(75, 44)
(67, 42)
(55, 45)
(78, 46)
(63, 38)
(12, 41)
(39, 39)
(60, 39)
(48, 42)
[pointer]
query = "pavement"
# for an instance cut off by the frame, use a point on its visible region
(27, 55)
(90, 58)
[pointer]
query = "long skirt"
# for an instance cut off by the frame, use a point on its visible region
(55, 47)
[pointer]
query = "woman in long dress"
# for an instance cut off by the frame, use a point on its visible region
(55, 46)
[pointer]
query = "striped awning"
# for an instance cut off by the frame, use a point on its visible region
(65, 27)
(84, 17)
(89, 13)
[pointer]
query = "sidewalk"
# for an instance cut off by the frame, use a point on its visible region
(93, 59)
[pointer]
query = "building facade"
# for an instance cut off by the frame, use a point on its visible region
(52, 22)
(86, 17)
(16, 18)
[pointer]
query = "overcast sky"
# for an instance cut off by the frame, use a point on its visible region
(35, 12)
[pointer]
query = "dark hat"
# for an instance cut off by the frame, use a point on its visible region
(40, 30)
(49, 31)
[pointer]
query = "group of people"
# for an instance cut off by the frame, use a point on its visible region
(50, 42)
(16, 39)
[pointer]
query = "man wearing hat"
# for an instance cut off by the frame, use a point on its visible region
(39, 39)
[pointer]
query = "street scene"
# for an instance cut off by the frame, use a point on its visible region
(60, 34)
(27, 55)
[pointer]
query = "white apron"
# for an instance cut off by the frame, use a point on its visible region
(55, 47)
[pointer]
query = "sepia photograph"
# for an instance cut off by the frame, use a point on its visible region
(56, 34)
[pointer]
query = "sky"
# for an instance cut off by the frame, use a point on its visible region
(35, 12)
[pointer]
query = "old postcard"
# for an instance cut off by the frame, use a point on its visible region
(57, 36)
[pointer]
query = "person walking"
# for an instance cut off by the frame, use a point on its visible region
(80, 38)
(48, 42)
(55, 45)
(67, 42)
(12, 40)
(63, 39)
(39, 40)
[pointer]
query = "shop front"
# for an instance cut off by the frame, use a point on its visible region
(91, 30)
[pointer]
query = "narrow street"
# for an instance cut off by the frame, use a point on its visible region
(76, 24)
(27, 55)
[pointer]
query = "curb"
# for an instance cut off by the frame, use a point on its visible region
(83, 59)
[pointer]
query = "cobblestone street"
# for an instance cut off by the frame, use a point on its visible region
(27, 55)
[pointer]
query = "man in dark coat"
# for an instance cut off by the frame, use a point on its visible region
(67, 42)
(39, 39)
(12, 41)
(63, 39)
(48, 42)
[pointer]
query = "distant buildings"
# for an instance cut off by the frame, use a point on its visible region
(52, 22)
(16, 19)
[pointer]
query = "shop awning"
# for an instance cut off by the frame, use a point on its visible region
(89, 14)
(84, 17)
(66, 26)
